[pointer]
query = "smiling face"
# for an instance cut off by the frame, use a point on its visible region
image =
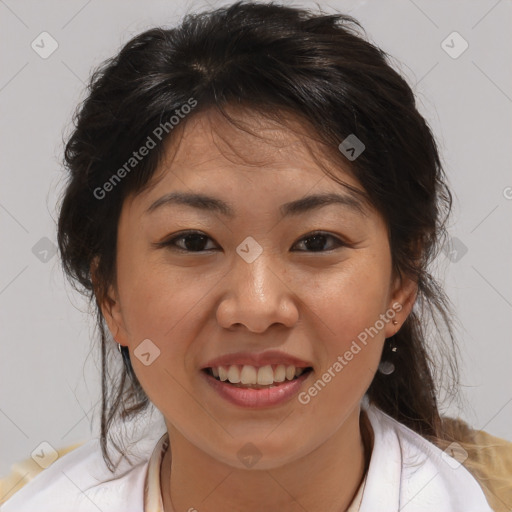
(253, 278)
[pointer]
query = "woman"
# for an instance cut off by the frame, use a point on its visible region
(253, 202)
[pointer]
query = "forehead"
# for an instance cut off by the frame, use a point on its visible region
(255, 140)
(256, 153)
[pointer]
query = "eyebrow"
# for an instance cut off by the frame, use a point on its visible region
(297, 207)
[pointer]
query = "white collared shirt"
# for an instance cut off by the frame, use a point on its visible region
(407, 473)
(153, 501)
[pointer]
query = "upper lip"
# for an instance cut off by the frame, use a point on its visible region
(256, 359)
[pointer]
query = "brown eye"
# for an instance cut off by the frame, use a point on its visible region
(316, 242)
(191, 241)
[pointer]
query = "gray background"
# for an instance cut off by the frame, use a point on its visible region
(47, 392)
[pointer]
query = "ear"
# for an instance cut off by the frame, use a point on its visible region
(403, 297)
(110, 307)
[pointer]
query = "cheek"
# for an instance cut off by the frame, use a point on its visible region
(350, 327)
(349, 308)
(166, 309)
(155, 299)
(349, 300)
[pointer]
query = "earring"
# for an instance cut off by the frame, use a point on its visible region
(387, 366)
(120, 348)
(395, 322)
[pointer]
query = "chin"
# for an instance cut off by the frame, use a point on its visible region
(259, 454)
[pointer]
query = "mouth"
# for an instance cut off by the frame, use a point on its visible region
(257, 380)
(252, 377)
(256, 387)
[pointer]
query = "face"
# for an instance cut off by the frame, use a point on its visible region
(257, 277)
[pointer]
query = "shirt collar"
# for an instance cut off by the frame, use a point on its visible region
(152, 490)
(153, 493)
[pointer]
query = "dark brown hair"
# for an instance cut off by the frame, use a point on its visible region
(272, 59)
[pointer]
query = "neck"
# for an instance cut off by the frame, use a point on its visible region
(325, 480)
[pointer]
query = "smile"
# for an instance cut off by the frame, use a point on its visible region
(256, 387)
(252, 376)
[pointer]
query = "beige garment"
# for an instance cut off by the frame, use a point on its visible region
(489, 460)
(153, 494)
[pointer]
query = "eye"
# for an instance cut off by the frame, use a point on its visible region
(315, 242)
(193, 241)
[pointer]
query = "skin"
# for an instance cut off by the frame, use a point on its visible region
(309, 303)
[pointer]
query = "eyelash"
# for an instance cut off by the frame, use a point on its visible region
(171, 243)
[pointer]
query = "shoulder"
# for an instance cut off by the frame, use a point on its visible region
(23, 472)
(413, 474)
(489, 460)
(81, 481)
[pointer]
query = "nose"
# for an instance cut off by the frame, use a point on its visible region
(256, 295)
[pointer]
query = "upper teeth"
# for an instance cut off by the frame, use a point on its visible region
(262, 376)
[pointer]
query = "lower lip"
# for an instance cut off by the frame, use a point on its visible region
(257, 398)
